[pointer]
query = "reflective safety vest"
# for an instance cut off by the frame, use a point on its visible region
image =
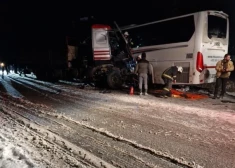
(170, 73)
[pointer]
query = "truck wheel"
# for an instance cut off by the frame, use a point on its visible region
(114, 80)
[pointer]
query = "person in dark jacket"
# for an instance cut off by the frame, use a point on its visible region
(129, 40)
(2, 65)
(143, 68)
(169, 76)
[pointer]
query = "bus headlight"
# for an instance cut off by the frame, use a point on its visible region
(2, 64)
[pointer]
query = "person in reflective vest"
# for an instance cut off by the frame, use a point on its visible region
(169, 77)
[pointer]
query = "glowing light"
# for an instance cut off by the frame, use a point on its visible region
(2, 72)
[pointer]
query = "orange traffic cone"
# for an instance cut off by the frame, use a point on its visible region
(131, 90)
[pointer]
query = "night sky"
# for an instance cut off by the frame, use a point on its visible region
(36, 27)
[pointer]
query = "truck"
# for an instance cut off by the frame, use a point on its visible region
(95, 53)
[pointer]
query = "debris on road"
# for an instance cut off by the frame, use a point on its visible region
(181, 94)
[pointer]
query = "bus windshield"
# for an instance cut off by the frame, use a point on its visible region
(217, 27)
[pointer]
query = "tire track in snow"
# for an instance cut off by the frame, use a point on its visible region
(125, 141)
(67, 147)
(34, 85)
(21, 112)
(36, 89)
(76, 96)
(157, 154)
(72, 91)
(86, 98)
(6, 83)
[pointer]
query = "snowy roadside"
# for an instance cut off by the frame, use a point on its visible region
(231, 89)
(106, 113)
(16, 149)
(231, 94)
(14, 152)
(26, 145)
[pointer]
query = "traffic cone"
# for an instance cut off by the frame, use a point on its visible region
(131, 90)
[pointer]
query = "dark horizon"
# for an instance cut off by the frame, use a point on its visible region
(36, 27)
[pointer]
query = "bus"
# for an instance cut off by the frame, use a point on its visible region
(194, 41)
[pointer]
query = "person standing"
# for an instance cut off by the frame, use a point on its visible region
(2, 65)
(143, 68)
(128, 39)
(169, 77)
(223, 70)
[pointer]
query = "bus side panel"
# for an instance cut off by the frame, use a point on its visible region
(182, 56)
(174, 47)
(179, 54)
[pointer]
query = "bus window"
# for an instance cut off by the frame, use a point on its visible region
(166, 32)
(217, 27)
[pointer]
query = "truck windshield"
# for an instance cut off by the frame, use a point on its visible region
(217, 27)
(114, 43)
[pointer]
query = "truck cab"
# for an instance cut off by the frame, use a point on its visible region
(102, 56)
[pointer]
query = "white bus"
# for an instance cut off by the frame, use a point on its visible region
(195, 41)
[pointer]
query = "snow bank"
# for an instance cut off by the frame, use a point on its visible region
(12, 155)
(6, 83)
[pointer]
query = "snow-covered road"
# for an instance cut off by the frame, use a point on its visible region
(85, 128)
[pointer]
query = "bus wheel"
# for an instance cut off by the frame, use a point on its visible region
(114, 80)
